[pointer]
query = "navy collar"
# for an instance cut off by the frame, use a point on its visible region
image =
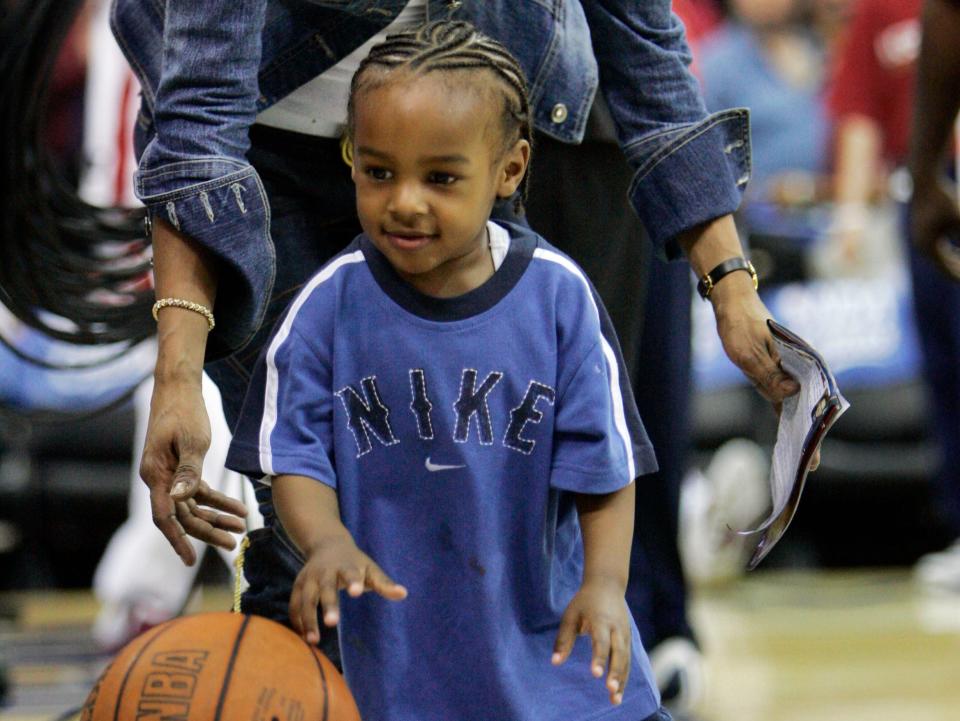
(480, 299)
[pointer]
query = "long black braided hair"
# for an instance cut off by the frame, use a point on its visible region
(448, 46)
(70, 271)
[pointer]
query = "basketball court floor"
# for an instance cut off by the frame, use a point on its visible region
(780, 646)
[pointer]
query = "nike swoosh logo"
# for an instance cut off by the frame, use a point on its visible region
(439, 466)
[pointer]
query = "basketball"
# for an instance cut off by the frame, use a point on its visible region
(220, 667)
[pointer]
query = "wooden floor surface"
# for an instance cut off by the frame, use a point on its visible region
(814, 646)
(779, 646)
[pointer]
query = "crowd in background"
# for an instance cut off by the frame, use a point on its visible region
(828, 86)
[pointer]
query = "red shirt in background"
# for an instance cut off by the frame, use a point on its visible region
(700, 18)
(874, 69)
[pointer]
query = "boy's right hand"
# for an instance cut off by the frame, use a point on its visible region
(334, 565)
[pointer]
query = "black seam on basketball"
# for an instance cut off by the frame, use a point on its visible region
(323, 682)
(233, 657)
(133, 663)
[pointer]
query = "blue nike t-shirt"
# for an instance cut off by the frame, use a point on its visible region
(455, 432)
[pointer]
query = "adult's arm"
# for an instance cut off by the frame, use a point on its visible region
(690, 168)
(178, 430)
(198, 67)
(197, 64)
(934, 211)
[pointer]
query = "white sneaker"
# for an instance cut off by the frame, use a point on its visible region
(940, 571)
(677, 666)
(730, 494)
(119, 623)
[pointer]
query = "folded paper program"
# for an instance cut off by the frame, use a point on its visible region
(804, 422)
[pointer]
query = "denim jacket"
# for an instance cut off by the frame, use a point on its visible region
(207, 68)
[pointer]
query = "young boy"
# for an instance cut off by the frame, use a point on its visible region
(444, 406)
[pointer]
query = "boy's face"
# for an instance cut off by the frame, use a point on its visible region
(428, 165)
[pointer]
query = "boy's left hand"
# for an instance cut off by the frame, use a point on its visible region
(599, 609)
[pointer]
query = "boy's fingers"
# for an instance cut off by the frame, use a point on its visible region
(381, 583)
(295, 604)
(329, 603)
(566, 635)
(601, 649)
(351, 579)
(293, 609)
(619, 667)
(309, 626)
(307, 590)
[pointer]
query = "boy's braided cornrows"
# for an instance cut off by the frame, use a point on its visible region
(448, 46)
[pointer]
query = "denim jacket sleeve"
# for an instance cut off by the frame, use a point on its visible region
(689, 167)
(201, 94)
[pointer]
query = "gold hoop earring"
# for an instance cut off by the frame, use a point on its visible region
(346, 150)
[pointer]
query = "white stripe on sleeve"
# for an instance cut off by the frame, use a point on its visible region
(619, 417)
(269, 420)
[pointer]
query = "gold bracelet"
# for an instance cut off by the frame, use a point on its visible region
(186, 305)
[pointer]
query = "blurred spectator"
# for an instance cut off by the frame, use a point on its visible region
(935, 215)
(111, 103)
(700, 18)
(830, 17)
(766, 56)
(64, 118)
(871, 100)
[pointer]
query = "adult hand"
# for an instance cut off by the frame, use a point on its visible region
(934, 217)
(742, 326)
(178, 436)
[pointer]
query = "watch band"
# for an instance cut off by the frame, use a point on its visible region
(706, 283)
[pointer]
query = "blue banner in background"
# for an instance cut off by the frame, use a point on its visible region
(863, 328)
(27, 386)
